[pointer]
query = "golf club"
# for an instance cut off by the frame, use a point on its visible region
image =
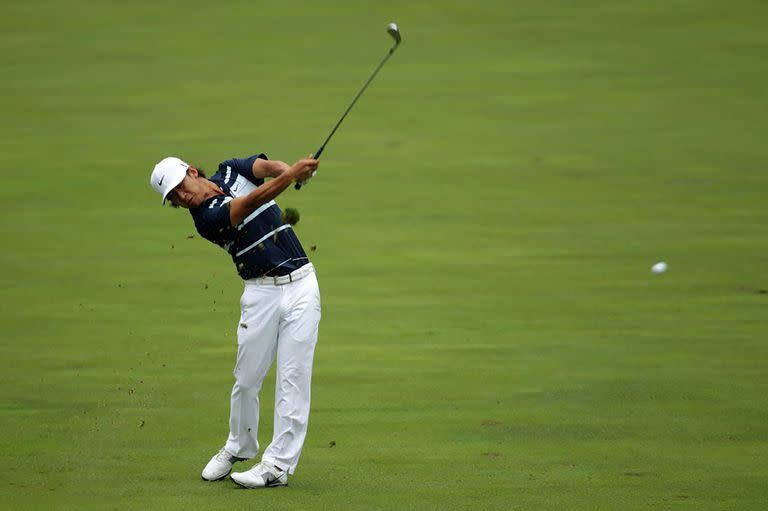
(395, 33)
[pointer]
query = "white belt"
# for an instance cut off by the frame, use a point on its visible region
(283, 279)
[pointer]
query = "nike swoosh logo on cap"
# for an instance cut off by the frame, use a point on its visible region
(160, 183)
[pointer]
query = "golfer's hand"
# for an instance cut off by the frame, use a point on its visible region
(303, 170)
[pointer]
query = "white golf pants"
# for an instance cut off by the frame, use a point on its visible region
(275, 321)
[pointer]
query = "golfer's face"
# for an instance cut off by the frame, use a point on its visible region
(187, 194)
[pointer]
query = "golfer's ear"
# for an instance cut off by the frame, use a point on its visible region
(192, 171)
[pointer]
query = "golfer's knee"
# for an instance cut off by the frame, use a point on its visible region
(245, 384)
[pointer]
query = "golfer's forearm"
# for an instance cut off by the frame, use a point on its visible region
(243, 206)
(277, 167)
(269, 168)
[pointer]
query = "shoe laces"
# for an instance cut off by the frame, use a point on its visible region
(223, 455)
(259, 468)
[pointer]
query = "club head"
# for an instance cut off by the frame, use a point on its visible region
(394, 32)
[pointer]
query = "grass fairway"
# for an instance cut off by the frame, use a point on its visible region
(485, 221)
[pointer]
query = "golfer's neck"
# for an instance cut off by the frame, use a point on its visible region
(211, 189)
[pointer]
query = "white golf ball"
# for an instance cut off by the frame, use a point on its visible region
(659, 267)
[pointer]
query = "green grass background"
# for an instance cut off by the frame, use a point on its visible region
(485, 221)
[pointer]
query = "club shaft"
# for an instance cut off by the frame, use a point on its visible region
(360, 93)
(357, 96)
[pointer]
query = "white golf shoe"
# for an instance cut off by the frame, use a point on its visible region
(262, 475)
(219, 466)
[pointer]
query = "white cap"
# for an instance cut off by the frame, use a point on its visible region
(167, 175)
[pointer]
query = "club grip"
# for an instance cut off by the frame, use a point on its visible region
(297, 186)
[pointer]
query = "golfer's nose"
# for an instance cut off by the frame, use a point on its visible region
(184, 196)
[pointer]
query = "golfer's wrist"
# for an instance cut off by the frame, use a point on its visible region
(294, 176)
(279, 168)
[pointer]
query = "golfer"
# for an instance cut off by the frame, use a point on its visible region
(279, 309)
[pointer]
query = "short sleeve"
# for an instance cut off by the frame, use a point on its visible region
(212, 220)
(244, 167)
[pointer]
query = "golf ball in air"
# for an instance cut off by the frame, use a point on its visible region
(659, 267)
